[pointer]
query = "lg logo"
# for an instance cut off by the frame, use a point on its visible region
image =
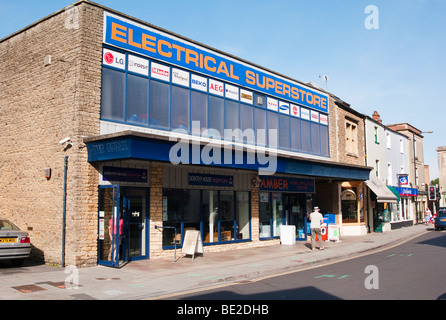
(114, 59)
(109, 58)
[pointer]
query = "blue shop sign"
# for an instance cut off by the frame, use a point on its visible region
(403, 180)
(407, 192)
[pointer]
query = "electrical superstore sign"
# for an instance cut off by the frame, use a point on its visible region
(150, 42)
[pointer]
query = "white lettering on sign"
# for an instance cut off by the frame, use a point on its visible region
(113, 59)
(138, 65)
(232, 92)
(295, 110)
(199, 83)
(180, 77)
(216, 87)
(161, 72)
(272, 104)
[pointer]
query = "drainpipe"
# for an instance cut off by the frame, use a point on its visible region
(64, 210)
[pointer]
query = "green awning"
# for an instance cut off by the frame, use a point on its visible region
(395, 192)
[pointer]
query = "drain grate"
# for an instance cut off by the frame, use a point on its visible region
(30, 288)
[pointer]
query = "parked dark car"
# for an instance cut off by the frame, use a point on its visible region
(440, 221)
(15, 244)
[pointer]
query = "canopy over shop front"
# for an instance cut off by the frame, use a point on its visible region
(383, 193)
(142, 146)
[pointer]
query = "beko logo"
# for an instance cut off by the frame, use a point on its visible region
(199, 83)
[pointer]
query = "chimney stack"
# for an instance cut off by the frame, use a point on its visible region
(377, 117)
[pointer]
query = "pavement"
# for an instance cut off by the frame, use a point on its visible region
(164, 278)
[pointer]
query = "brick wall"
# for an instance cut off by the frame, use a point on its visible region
(39, 106)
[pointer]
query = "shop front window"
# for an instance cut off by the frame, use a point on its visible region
(277, 213)
(158, 102)
(264, 215)
(271, 214)
(226, 215)
(349, 206)
(172, 217)
(242, 216)
(191, 215)
(210, 216)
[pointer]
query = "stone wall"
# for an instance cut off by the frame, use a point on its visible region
(41, 104)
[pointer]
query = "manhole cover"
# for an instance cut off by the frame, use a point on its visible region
(29, 288)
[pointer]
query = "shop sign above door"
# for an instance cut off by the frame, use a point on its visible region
(286, 184)
(124, 174)
(210, 180)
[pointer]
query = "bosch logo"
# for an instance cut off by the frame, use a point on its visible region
(109, 58)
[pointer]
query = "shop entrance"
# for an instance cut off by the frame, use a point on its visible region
(123, 225)
(277, 209)
(296, 212)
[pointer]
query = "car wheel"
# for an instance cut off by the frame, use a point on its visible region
(17, 262)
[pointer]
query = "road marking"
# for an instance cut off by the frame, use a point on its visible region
(331, 276)
(167, 296)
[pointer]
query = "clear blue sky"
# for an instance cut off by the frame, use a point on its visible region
(398, 70)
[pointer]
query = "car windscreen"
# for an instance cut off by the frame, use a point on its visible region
(7, 225)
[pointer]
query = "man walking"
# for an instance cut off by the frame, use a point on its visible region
(316, 220)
